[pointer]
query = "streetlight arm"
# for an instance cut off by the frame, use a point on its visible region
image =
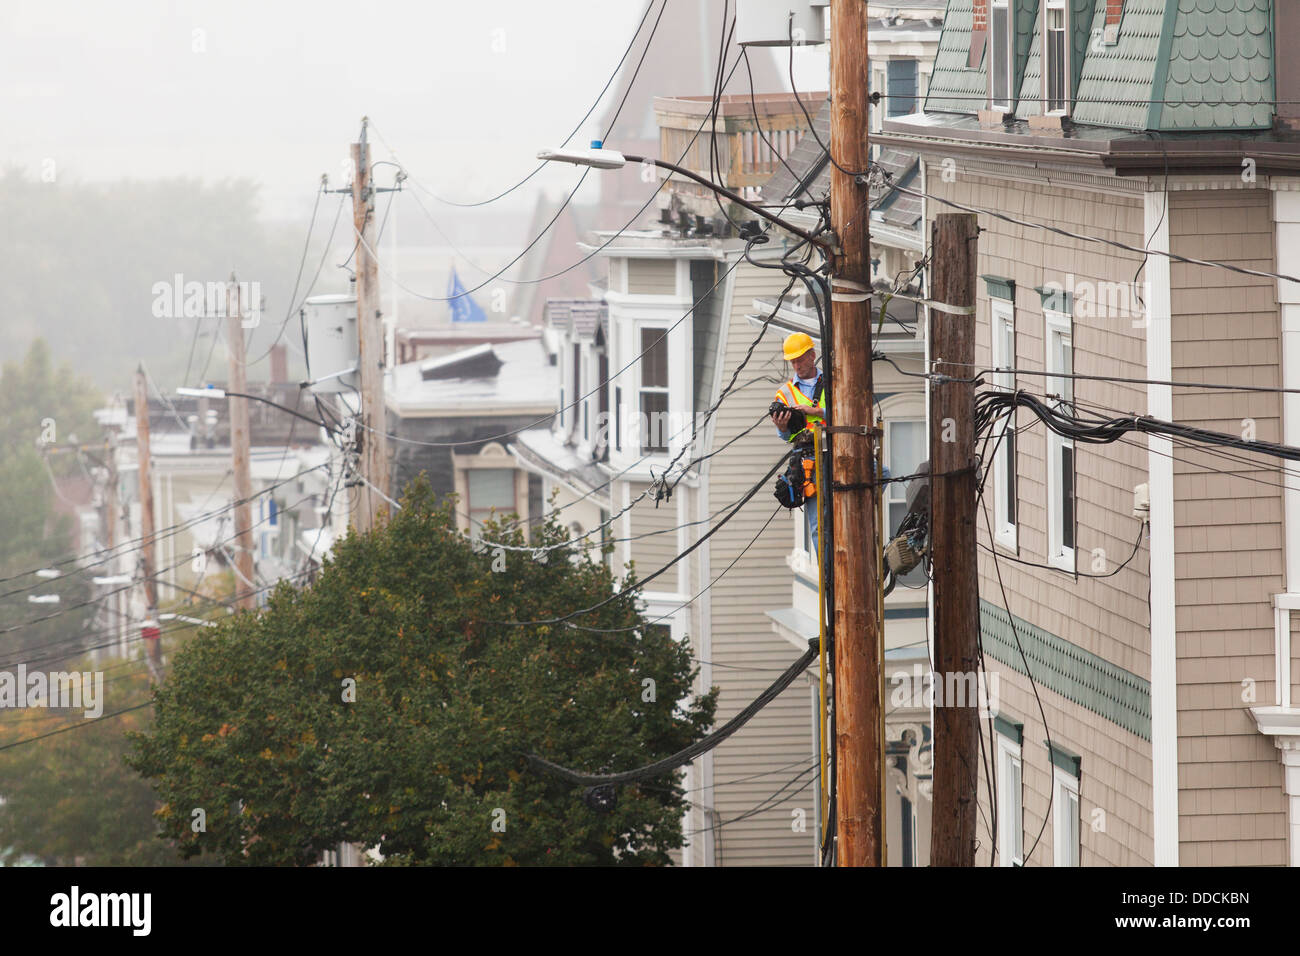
(222, 393)
(738, 200)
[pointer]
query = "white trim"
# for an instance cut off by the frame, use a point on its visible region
(1011, 832)
(1066, 67)
(1064, 783)
(1002, 312)
(1160, 477)
(1058, 554)
(1009, 52)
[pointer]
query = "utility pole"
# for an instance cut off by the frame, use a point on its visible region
(954, 253)
(858, 640)
(144, 464)
(110, 532)
(372, 436)
(239, 442)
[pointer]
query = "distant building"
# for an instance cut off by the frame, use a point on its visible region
(450, 418)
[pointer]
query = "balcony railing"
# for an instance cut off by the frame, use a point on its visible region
(748, 158)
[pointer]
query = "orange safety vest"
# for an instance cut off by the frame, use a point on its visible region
(791, 395)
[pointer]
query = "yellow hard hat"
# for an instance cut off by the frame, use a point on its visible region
(796, 343)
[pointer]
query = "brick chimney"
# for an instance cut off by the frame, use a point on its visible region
(979, 33)
(1110, 27)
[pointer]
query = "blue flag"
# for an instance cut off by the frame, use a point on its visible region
(463, 308)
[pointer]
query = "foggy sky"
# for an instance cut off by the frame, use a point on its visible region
(273, 90)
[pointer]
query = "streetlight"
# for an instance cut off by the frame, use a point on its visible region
(48, 573)
(600, 158)
(42, 599)
(112, 579)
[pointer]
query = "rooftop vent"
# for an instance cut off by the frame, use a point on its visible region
(479, 362)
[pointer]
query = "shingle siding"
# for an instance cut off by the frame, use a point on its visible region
(1104, 616)
(746, 652)
(659, 544)
(1227, 532)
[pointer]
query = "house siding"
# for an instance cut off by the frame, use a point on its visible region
(1106, 616)
(653, 552)
(1227, 532)
(652, 276)
(747, 655)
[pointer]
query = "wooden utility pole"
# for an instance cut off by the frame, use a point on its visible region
(952, 541)
(149, 631)
(146, 490)
(372, 436)
(239, 442)
(110, 533)
(858, 645)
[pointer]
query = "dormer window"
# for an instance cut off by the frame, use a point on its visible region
(1055, 58)
(1000, 58)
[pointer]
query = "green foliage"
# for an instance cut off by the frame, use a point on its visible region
(79, 261)
(32, 532)
(252, 725)
(69, 798)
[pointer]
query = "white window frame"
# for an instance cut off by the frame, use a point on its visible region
(1056, 326)
(1009, 48)
(1011, 814)
(1048, 8)
(1065, 852)
(656, 330)
(1002, 314)
(900, 410)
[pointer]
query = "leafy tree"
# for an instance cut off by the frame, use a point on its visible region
(253, 725)
(69, 798)
(34, 398)
(79, 261)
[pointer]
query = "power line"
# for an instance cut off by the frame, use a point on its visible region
(329, 241)
(687, 754)
(608, 83)
(1173, 256)
(641, 582)
(558, 212)
(120, 550)
(695, 597)
(81, 724)
(178, 527)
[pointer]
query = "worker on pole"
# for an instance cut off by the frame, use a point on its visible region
(799, 402)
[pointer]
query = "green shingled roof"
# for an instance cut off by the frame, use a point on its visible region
(1211, 59)
(1115, 84)
(1220, 51)
(953, 87)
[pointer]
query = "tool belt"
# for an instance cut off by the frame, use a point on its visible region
(798, 484)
